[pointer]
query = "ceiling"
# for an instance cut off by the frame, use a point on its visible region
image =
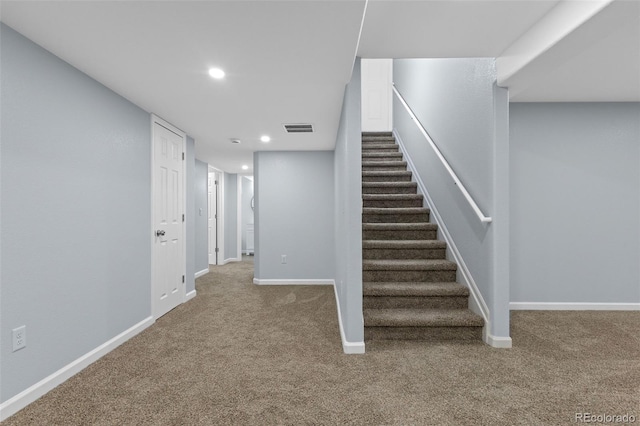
(289, 61)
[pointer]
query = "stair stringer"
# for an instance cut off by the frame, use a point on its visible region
(476, 302)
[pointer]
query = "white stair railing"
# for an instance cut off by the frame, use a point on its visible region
(445, 163)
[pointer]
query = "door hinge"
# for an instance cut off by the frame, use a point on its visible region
(183, 218)
(183, 155)
(217, 249)
(183, 279)
(216, 182)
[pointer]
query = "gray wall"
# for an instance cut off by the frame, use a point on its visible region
(348, 217)
(245, 209)
(294, 214)
(201, 216)
(575, 202)
(75, 184)
(230, 216)
(190, 283)
(457, 102)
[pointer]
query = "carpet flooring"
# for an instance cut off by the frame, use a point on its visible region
(245, 354)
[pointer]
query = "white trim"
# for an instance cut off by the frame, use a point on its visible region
(477, 301)
(292, 282)
(220, 206)
(32, 393)
(161, 122)
(239, 215)
(190, 295)
(573, 306)
(495, 341)
(347, 347)
(201, 273)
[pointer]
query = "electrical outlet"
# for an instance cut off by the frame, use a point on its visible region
(284, 258)
(19, 337)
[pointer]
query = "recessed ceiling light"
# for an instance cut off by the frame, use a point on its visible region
(265, 138)
(245, 167)
(216, 73)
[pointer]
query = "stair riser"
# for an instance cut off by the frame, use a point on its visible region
(382, 156)
(393, 203)
(395, 218)
(434, 334)
(405, 276)
(401, 178)
(420, 234)
(389, 190)
(386, 253)
(377, 139)
(383, 302)
(382, 148)
(383, 167)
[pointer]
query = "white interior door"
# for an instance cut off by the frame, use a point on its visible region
(168, 219)
(376, 76)
(212, 218)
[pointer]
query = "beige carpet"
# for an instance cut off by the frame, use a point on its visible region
(245, 354)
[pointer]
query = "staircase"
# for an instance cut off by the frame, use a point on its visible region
(409, 288)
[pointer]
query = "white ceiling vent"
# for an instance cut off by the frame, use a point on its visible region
(298, 128)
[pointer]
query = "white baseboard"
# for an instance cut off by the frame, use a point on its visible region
(231, 259)
(29, 395)
(569, 306)
(190, 295)
(347, 347)
(201, 273)
(495, 341)
(292, 282)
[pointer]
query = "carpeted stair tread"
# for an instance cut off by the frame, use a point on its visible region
(421, 318)
(391, 197)
(389, 163)
(376, 146)
(389, 185)
(395, 210)
(369, 139)
(390, 156)
(389, 134)
(385, 173)
(408, 265)
(404, 244)
(426, 226)
(417, 289)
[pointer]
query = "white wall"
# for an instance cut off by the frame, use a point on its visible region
(76, 204)
(376, 97)
(294, 215)
(456, 100)
(575, 203)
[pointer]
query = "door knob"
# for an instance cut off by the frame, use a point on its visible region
(159, 233)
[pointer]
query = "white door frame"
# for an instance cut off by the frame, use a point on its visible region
(220, 206)
(213, 190)
(157, 120)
